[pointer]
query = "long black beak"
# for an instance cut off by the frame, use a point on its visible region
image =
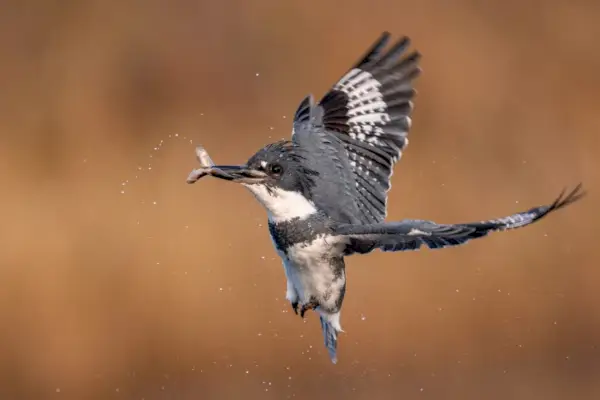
(238, 173)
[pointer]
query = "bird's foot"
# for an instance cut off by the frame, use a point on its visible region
(295, 306)
(311, 305)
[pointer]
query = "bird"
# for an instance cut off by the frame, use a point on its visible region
(325, 190)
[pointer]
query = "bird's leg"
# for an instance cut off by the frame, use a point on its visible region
(311, 305)
(291, 295)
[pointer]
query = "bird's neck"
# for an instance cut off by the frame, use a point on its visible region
(282, 205)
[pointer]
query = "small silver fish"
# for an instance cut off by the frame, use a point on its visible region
(206, 165)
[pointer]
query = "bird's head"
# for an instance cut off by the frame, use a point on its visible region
(279, 177)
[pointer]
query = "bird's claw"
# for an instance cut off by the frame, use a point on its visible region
(308, 306)
(295, 307)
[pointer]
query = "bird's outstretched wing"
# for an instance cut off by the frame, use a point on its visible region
(358, 131)
(412, 234)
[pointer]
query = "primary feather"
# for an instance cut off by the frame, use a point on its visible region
(412, 234)
(361, 125)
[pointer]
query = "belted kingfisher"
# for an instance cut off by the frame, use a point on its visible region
(325, 190)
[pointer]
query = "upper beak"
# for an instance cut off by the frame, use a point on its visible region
(238, 173)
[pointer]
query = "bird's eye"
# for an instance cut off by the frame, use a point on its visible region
(275, 168)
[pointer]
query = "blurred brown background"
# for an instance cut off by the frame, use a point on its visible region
(157, 293)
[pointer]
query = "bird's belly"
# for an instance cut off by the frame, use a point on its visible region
(309, 270)
(308, 281)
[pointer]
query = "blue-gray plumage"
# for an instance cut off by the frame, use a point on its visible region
(325, 190)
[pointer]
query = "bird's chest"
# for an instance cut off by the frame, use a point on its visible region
(303, 249)
(296, 234)
(308, 252)
(303, 255)
(310, 255)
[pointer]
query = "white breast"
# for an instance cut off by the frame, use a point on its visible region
(308, 268)
(282, 205)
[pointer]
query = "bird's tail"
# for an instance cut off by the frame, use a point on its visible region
(331, 328)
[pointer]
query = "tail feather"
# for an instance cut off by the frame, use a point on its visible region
(330, 336)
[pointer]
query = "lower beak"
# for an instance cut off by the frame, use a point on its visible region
(238, 173)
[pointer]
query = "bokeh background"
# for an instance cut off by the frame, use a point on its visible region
(119, 281)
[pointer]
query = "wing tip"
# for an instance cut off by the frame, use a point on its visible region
(374, 53)
(564, 200)
(303, 112)
(384, 36)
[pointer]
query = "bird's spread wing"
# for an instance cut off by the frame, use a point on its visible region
(361, 127)
(412, 234)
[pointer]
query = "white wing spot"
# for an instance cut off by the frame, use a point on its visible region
(415, 232)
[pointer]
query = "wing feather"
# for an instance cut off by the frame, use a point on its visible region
(368, 113)
(412, 234)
